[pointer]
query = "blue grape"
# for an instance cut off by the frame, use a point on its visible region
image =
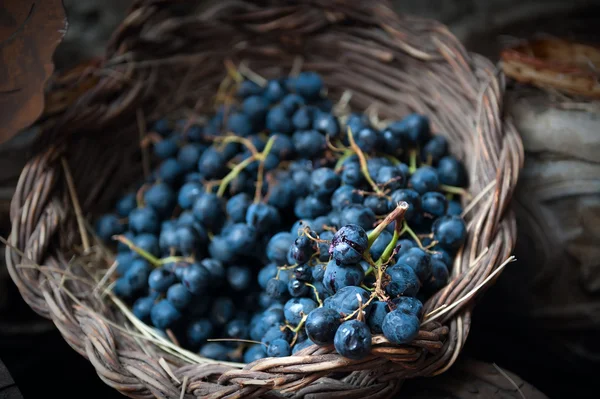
(108, 226)
(255, 352)
(222, 311)
(348, 244)
(375, 320)
(353, 340)
(339, 276)
(126, 204)
(262, 217)
(309, 85)
(452, 172)
(215, 350)
(196, 278)
(188, 194)
(309, 143)
(321, 325)
(352, 174)
(296, 307)
(424, 179)
(170, 171)
(164, 314)
(239, 277)
(408, 305)
(198, 331)
(209, 210)
(413, 129)
(278, 247)
(402, 281)
(434, 204)
(391, 178)
(434, 149)
(137, 274)
(179, 296)
(450, 232)
(400, 327)
(359, 215)
(142, 307)
(240, 124)
(237, 207)
(419, 261)
(161, 279)
(274, 332)
(279, 348)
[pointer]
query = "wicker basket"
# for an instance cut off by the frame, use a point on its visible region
(167, 56)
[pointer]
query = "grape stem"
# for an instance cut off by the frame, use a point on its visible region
(261, 168)
(296, 329)
(144, 254)
(243, 165)
(174, 259)
(316, 294)
(360, 308)
(455, 190)
(396, 215)
(236, 139)
(412, 161)
(363, 162)
(340, 163)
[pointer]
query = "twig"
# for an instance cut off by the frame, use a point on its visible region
(78, 213)
(470, 294)
(163, 363)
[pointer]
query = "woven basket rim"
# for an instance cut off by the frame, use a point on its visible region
(382, 47)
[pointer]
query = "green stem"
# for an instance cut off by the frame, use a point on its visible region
(236, 139)
(234, 173)
(316, 294)
(370, 289)
(392, 159)
(412, 161)
(261, 168)
(363, 162)
(144, 254)
(455, 190)
(389, 249)
(340, 162)
(396, 215)
(412, 234)
(174, 259)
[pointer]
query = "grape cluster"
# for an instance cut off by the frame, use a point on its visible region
(279, 223)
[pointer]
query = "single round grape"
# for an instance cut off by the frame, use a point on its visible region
(161, 279)
(296, 307)
(402, 281)
(400, 327)
(353, 340)
(321, 325)
(450, 232)
(255, 352)
(339, 276)
(198, 331)
(179, 296)
(279, 348)
(424, 179)
(164, 314)
(348, 244)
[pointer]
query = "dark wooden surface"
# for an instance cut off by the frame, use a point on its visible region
(30, 31)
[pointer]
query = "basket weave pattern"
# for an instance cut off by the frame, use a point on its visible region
(167, 56)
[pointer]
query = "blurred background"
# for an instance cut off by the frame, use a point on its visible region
(540, 321)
